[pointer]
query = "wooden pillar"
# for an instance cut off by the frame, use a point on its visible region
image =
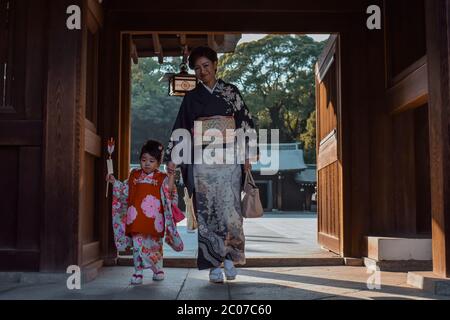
(108, 121)
(438, 55)
(124, 138)
(59, 236)
(354, 131)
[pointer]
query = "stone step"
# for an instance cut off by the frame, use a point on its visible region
(429, 282)
(257, 262)
(398, 265)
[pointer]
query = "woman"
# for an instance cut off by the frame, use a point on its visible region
(216, 187)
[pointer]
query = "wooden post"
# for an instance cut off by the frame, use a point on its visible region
(108, 127)
(438, 53)
(124, 138)
(59, 233)
(354, 151)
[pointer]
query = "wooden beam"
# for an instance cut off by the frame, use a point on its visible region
(438, 47)
(411, 89)
(93, 143)
(158, 48)
(183, 39)
(219, 39)
(134, 53)
(261, 22)
(212, 42)
(186, 8)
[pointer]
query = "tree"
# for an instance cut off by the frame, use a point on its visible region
(309, 139)
(153, 111)
(276, 77)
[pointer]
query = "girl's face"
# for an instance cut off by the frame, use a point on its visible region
(205, 70)
(148, 163)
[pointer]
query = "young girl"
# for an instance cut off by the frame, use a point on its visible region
(142, 213)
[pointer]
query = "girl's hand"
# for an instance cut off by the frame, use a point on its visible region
(171, 167)
(110, 178)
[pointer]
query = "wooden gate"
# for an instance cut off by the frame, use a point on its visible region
(89, 228)
(328, 140)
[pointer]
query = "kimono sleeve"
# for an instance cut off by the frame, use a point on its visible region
(244, 120)
(185, 120)
(171, 195)
(119, 215)
(172, 237)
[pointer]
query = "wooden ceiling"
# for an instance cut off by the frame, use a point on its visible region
(164, 45)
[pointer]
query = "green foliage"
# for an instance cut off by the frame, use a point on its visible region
(276, 77)
(309, 139)
(153, 111)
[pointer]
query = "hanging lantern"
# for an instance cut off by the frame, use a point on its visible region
(182, 83)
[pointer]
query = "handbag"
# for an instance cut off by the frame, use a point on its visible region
(251, 202)
(190, 213)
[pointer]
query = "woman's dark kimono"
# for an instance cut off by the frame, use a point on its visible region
(216, 188)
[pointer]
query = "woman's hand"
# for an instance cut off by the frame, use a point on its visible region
(171, 167)
(110, 178)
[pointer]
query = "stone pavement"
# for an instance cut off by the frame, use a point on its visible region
(278, 235)
(304, 283)
(281, 234)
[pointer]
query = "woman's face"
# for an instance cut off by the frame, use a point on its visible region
(205, 70)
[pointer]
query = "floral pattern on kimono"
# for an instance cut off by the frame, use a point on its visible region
(226, 100)
(216, 188)
(147, 249)
(236, 105)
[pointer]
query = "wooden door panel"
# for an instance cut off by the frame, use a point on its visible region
(329, 226)
(92, 144)
(328, 183)
(21, 132)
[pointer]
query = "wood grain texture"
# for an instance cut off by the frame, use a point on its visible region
(410, 92)
(329, 174)
(438, 45)
(59, 235)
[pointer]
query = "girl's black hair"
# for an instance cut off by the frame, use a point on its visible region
(153, 148)
(200, 52)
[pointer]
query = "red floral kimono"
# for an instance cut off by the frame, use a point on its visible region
(142, 218)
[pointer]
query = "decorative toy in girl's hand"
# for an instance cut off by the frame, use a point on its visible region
(142, 213)
(109, 162)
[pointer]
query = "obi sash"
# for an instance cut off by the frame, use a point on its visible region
(219, 123)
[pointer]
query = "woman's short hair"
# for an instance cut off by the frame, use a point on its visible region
(153, 148)
(200, 52)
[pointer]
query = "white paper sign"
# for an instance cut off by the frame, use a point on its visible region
(110, 166)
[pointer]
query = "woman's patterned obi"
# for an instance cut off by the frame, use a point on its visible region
(219, 123)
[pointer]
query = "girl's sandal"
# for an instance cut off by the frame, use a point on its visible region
(137, 279)
(160, 276)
